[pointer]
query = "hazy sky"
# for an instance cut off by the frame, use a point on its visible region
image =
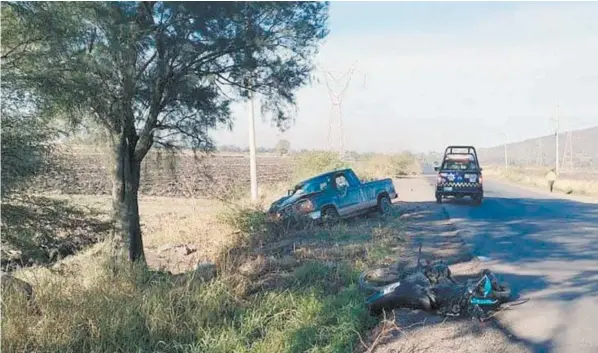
(432, 74)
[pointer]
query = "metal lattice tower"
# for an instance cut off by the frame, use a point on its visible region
(336, 79)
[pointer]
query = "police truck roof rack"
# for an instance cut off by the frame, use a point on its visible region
(459, 150)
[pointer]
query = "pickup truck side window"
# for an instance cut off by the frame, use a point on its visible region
(341, 182)
(352, 179)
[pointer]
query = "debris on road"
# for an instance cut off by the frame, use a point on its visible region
(431, 287)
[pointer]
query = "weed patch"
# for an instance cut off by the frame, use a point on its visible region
(277, 290)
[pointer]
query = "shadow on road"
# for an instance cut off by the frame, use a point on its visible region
(551, 241)
(547, 249)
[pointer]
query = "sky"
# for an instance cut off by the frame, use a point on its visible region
(430, 74)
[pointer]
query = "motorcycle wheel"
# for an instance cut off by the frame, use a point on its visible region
(406, 295)
(502, 293)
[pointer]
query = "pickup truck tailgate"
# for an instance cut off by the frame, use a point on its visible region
(458, 179)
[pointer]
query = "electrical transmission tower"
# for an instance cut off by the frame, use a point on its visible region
(334, 80)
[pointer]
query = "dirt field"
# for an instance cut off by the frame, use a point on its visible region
(85, 171)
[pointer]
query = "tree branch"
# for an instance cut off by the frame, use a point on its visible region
(23, 43)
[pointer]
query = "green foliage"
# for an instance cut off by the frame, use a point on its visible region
(141, 311)
(308, 164)
(26, 148)
(165, 72)
(172, 67)
(367, 166)
(404, 163)
(282, 147)
(26, 132)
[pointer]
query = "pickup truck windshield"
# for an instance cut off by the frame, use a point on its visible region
(459, 165)
(313, 185)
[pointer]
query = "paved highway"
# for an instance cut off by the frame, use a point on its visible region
(546, 246)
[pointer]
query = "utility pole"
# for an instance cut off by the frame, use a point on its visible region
(252, 149)
(541, 153)
(249, 81)
(506, 158)
(506, 154)
(557, 140)
(568, 152)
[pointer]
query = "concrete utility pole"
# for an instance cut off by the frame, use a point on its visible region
(506, 154)
(252, 149)
(556, 170)
(506, 158)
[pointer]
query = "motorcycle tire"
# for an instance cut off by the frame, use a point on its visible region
(500, 290)
(385, 277)
(407, 295)
(502, 293)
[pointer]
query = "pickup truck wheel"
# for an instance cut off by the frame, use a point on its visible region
(438, 198)
(330, 215)
(477, 199)
(384, 205)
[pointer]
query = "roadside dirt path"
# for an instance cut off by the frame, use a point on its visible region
(418, 331)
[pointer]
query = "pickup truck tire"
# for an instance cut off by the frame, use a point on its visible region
(384, 205)
(438, 198)
(330, 215)
(477, 199)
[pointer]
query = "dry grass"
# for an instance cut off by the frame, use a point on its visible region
(276, 290)
(568, 183)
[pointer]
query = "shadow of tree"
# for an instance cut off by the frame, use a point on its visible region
(42, 230)
(553, 238)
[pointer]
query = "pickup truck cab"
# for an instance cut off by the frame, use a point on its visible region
(334, 195)
(460, 175)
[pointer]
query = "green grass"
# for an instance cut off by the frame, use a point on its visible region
(315, 306)
(319, 311)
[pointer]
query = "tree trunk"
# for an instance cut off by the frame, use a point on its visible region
(125, 203)
(130, 217)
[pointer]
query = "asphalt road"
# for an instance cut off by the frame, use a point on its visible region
(546, 246)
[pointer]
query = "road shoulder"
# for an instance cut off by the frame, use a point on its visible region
(418, 331)
(557, 194)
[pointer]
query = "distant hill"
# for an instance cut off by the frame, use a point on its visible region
(541, 150)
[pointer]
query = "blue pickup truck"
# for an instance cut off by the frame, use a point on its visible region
(334, 195)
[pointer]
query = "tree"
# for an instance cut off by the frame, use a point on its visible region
(26, 131)
(282, 147)
(166, 73)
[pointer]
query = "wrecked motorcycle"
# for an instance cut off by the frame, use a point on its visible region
(431, 287)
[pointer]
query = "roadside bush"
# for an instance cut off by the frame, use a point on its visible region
(143, 311)
(308, 164)
(379, 166)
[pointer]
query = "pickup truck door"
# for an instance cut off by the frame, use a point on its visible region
(349, 196)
